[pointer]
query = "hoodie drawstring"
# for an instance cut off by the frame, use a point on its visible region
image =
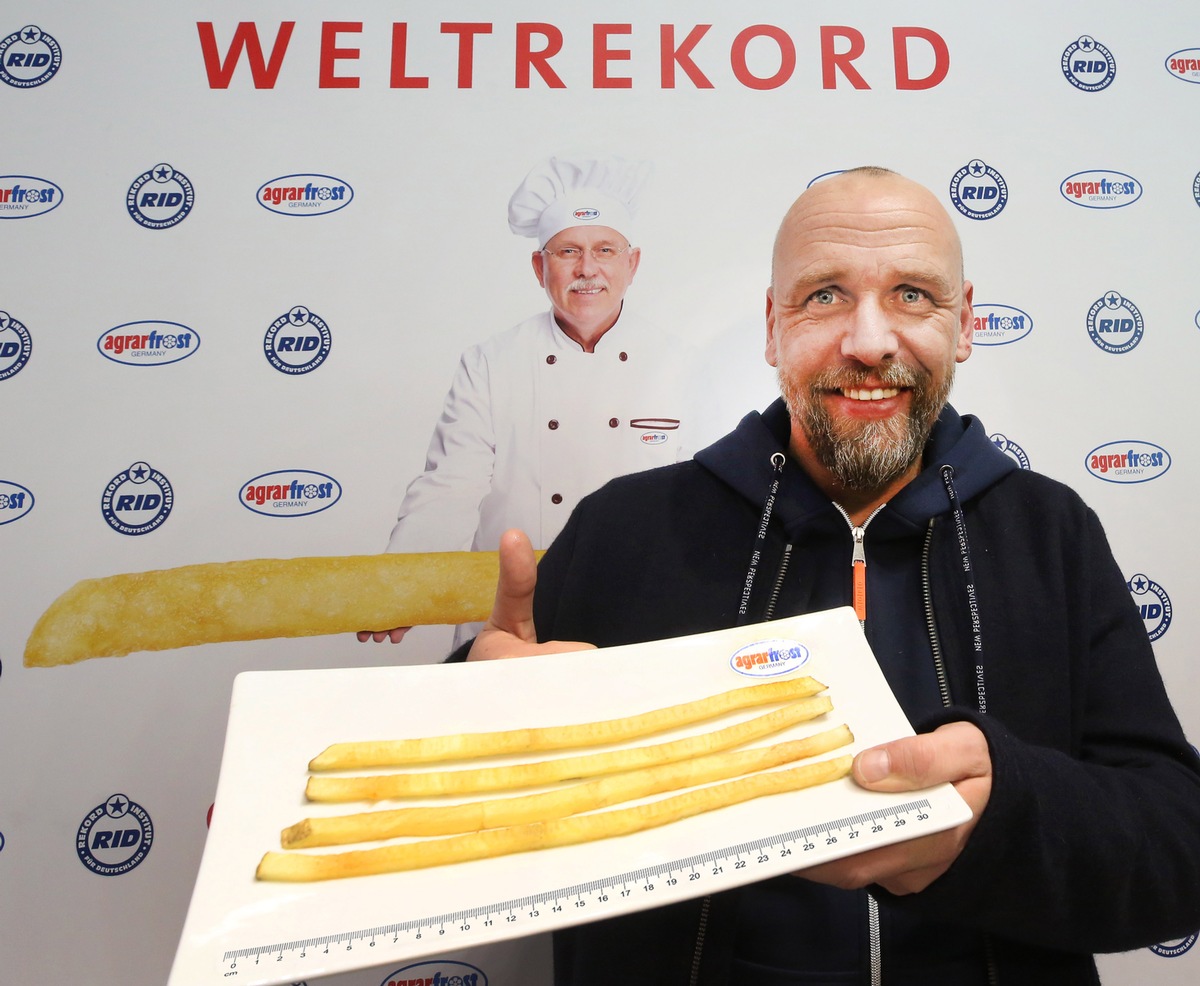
(964, 550)
(777, 461)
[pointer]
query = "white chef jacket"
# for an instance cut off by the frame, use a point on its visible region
(532, 423)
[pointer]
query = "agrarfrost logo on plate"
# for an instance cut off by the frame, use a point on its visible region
(1011, 449)
(137, 500)
(439, 972)
(769, 658)
(15, 501)
(298, 341)
(1115, 324)
(148, 343)
(290, 493)
(24, 196)
(1100, 189)
(29, 58)
(16, 346)
(1184, 65)
(160, 198)
(998, 325)
(1088, 65)
(1153, 603)
(114, 837)
(978, 190)
(1128, 462)
(305, 195)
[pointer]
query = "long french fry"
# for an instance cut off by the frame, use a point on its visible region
(261, 598)
(304, 867)
(380, 787)
(430, 749)
(588, 796)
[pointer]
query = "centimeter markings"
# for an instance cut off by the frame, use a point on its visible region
(461, 919)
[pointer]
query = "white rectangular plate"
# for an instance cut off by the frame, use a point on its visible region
(239, 930)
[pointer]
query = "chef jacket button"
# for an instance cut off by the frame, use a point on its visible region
(613, 422)
(623, 357)
(551, 359)
(553, 423)
(556, 498)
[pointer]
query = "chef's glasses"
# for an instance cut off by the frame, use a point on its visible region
(602, 253)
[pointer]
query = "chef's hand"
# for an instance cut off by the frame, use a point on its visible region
(395, 635)
(509, 631)
(956, 752)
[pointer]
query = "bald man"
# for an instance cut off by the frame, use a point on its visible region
(990, 599)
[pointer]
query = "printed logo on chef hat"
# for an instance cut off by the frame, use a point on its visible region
(1088, 65)
(160, 198)
(114, 837)
(1011, 449)
(137, 500)
(978, 190)
(297, 342)
(1153, 603)
(1175, 947)
(16, 346)
(28, 58)
(437, 972)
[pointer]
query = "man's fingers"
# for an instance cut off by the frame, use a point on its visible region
(512, 611)
(395, 635)
(951, 753)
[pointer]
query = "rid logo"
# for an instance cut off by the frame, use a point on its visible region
(1088, 65)
(1127, 462)
(138, 500)
(1153, 603)
(978, 190)
(1184, 65)
(23, 196)
(290, 493)
(304, 195)
(160, 198)
(16, 346)
(297, 342)
(15, 501)
(998, 325)
(1114, 323)
(29, 57)
(114, 837)
(437, 973)
(1011, 449)
(149, 343)
(1174, 948)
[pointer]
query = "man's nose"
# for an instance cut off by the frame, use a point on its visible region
(586, 265)
(870, 337)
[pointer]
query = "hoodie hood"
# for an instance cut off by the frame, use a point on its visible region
(742, 460)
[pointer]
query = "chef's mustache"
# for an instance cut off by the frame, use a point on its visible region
(887, 375)
(587, 284)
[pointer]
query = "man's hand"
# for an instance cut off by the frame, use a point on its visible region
(956, 753)
(395, 635)
(509, 631)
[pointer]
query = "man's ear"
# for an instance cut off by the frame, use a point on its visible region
(772, 353)
(539, 267)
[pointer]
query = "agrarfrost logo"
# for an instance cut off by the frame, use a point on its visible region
(978, 190)
(297, 342)
(1114, 323)
(1100, 189)
(1184, 65)
(148, 343)
(24, 196)
(15, 501)
(290, 493)
(769, 658)
(437, 973)
(137, 500)
(1127, 462)
(160, 198)
(29, 57)
(998, 325)
(1088, 65)
(1175, 947)
(1011, 449)
(16, 346)
(114, 837)
(1153, 603)
(305, 195)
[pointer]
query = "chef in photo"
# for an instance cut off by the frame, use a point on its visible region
(550, 409)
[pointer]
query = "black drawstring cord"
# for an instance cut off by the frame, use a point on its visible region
(777, 461)
(964, 550)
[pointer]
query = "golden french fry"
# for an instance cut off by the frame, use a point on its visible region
(303, 867)
(615, 789)
(261, 598)
(380, 787)
(391, 753)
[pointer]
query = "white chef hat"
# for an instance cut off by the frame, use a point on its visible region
(562, 192)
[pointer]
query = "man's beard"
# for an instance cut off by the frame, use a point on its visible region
(867, 456)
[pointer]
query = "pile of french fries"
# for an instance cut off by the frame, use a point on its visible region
(700, 773)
